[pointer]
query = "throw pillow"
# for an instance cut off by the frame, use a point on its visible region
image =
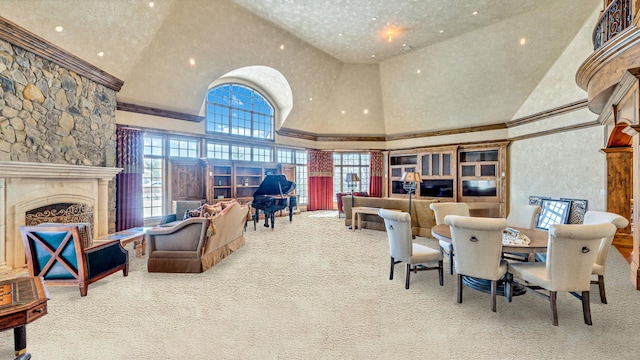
(192, 213)
(210, 210)
(226, 204)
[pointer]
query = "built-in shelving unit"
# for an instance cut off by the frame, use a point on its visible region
(238, 180)
(473, 173)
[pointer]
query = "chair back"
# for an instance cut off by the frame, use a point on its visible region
(398, 225)
(443, 209)
(601, 217)
(571, 252)
(477, 243)
(53, 252)
(523, 216)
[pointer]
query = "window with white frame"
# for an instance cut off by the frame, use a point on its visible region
(218, 151)
(152, 184)
(236, 109)
(183, 148)
(264, 154)
(350, 163)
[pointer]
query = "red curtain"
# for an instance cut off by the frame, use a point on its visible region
(376, 169)
(129, 156)
(320, 165)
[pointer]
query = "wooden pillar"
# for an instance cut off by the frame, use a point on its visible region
(620, 189)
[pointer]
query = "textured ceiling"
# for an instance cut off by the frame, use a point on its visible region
(474, 73)
(346, 29)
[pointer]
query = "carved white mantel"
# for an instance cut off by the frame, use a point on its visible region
(26, 186)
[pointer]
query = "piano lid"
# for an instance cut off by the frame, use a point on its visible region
(275, 185)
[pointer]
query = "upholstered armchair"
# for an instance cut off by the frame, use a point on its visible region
(58, 255)
(442, 209)
(571, 253)
(403, 249)
(177, 248)
(477, 242)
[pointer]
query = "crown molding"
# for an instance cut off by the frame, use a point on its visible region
(146, 110)
(578, 105)
(31, 42)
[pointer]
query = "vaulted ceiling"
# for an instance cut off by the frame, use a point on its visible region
(437, 64)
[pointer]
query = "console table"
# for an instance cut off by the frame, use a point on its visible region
(358, 210)
(22, 300)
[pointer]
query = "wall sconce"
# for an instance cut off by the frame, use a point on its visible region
(409, 181)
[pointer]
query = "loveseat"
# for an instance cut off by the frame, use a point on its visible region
(197, 243)
(422, 218)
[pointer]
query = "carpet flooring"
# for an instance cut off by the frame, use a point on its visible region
(311, 289)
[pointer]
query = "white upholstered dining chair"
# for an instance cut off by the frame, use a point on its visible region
(522, 216)
(442, 209)
(477, 243)
(403, 249)
(571, 252)
(599, 266)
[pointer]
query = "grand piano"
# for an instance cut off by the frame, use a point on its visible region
(271, 196)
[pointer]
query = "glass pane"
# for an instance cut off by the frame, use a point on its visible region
(425, 165)
(468, 170)
(435, 163)
(488, 170)
(446, 164)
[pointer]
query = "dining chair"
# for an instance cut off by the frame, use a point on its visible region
(403, 249)
(571, 252)
(522, 216)
(477, 243)
(442, 209)
(599, 217)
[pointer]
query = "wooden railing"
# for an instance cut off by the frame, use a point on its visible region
(613, 20)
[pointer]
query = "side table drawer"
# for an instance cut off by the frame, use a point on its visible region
(36, 312)
(13, 320)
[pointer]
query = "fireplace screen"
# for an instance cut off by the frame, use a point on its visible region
(60, 213)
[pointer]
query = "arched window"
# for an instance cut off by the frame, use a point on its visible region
(239, 110)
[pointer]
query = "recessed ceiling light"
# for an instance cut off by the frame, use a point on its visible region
(281, 46)
(310, 99)
(58, 28)
(340, 34)
(374, 18)
(366, 111)
(151, 4)
(523, 41)
(101, 53)
(474, 13)
(373, 55)
(342, 112)
(192, 61)
(441, 31)
(418, 71)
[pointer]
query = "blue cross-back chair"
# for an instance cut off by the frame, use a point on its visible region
(57, 254)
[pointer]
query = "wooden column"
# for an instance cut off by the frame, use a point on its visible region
(620, 189)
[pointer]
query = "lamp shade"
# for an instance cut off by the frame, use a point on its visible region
(352, 177)
(410, 177)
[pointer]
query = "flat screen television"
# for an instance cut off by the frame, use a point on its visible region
(437, 188)
(479, 188)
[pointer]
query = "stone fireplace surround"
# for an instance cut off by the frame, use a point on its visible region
(26, 186)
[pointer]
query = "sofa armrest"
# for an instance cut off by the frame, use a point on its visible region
(168, 218)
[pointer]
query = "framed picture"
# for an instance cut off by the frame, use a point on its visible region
(578, 209)
(554, 211)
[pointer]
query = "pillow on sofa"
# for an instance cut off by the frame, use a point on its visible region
(210, 210)
(225, 204)
(192, 213)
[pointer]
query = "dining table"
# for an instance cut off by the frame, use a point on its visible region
(538, 244)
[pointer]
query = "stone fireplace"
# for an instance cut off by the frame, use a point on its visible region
(28, 186)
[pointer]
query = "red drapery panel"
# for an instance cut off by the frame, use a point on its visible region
(320, 180)
(129, 156)
(376, 169)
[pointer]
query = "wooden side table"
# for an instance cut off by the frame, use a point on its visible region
(133, 235)
(358, 210)
(22, 300)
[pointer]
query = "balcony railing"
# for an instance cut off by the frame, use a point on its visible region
(613, 20)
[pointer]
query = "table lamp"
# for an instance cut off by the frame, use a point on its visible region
(351, 180)
(409, 181)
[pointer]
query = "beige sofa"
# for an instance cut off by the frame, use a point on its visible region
(422, 218)
(196, 244)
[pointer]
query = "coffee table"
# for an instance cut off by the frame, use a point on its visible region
(133, 235)
(22, 300)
